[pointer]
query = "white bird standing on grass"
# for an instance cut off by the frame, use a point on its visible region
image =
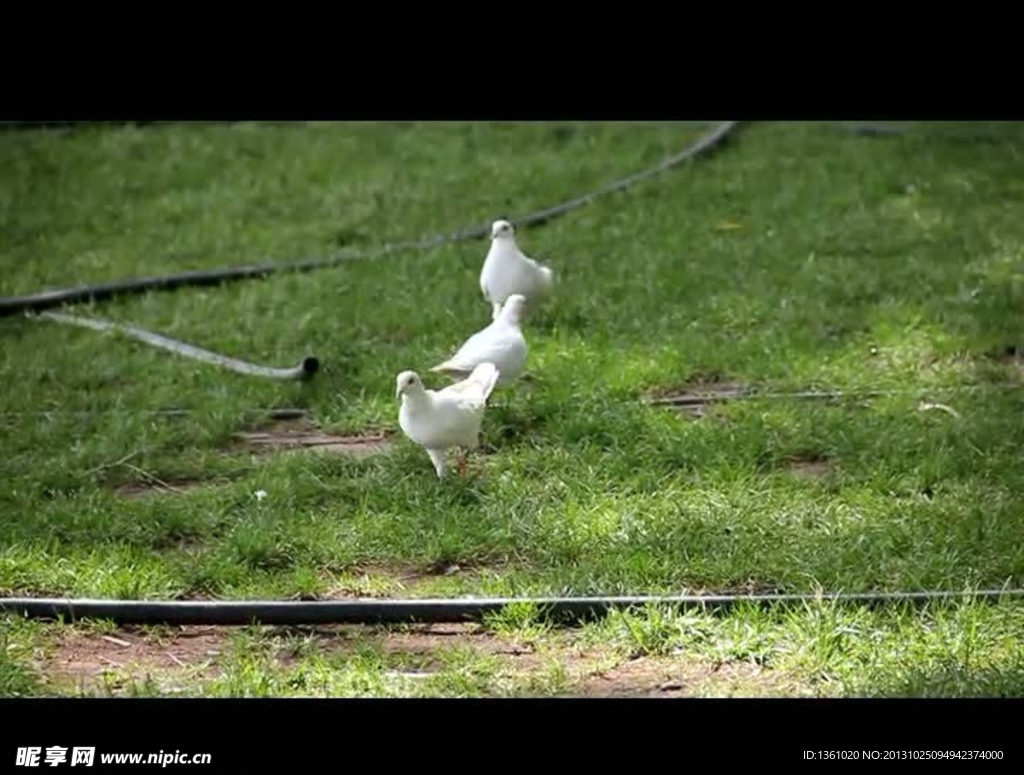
(438, 420)
(508, 271)
(501, 343)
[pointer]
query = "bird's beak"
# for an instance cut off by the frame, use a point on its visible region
(398, 392)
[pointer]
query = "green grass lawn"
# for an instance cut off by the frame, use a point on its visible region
(801, 257)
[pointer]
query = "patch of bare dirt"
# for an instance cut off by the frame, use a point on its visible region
(177, 658)
(301, 434)
(427, 640)
(809, 466)
(424, 642)
(669, 677)
(83, 658)
(590, 673)
(146, 487)
(285, 435)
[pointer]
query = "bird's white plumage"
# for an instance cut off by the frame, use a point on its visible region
(507, 270)
(501, 343)
(439, 420)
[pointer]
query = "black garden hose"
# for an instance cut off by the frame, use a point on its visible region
(410, 611)
(11, 305)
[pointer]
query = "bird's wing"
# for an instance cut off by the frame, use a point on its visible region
(472, 393)
(483, 284)
(486, 272)
(541, 274)
(484, 346)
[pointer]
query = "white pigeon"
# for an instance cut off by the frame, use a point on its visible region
(501, 343)
(507, 270)
(438, 420)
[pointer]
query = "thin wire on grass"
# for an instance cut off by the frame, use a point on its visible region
(698, 398)
(873, 129)
(292, 413)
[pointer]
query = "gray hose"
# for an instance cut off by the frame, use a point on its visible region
(419, 610)
(304, 370)
(14, 304)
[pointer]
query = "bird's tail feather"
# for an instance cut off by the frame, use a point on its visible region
(484, 377)
(450, 367)
(547, 276)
